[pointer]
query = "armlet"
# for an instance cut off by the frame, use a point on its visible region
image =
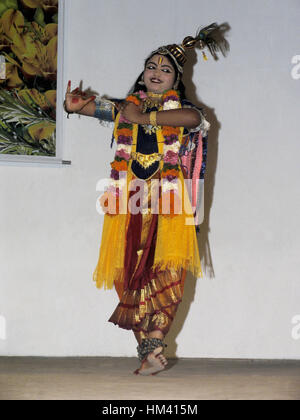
(105, 109)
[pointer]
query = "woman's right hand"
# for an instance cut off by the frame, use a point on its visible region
(75, 100)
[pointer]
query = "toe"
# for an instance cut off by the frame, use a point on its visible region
(163, 360)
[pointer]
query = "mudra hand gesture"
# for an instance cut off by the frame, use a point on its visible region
(75, 100)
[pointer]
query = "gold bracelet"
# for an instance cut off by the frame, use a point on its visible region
(153, 118)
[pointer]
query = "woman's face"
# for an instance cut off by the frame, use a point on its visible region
(159, 74)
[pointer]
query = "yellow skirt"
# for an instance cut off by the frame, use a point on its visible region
(148, 298)
(175, 248)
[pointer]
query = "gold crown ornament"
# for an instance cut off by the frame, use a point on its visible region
(210, 36)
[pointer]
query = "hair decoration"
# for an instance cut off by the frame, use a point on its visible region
(209, 36)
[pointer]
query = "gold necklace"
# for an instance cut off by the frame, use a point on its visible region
(153, 99)
(154, 95)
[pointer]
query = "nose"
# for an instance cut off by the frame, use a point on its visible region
(156, 72)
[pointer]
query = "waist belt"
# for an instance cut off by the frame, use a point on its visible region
(146, 160)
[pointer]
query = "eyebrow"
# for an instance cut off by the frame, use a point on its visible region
(164, 65)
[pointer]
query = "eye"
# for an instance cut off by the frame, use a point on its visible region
(150, 67)
(167, 70)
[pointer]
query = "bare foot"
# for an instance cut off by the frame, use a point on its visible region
(162, 359)
(155, 362)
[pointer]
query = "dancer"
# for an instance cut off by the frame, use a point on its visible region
(147, 246)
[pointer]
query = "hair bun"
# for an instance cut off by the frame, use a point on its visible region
(189, 42)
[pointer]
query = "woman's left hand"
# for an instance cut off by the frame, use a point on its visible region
(131, 112)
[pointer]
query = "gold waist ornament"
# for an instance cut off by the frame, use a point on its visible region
(146, 160)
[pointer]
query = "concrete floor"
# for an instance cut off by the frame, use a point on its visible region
(108, 378)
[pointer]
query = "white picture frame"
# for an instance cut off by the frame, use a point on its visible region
(57, 160)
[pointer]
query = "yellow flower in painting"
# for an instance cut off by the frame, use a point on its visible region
(12, 78)
(44, 34)
(42, 130)
(51, 97)
(4, 41)
(44, 60)
(24, 48)
(50, 6)
(43, 100)
(12, 25)
(36, 58)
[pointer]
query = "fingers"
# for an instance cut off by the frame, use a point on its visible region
(92, 98)
(77, 94)
(123, 106)
(84, 102)
(74, 91)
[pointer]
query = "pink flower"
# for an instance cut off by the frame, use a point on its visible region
(142, 94)
(123, 154)
(171, 157)
(123, 119)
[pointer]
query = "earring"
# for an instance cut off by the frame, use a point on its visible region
(141, 82)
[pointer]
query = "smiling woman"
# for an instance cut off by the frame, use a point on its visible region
(159, 74)
(147, 244)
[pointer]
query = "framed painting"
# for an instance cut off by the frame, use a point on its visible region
(31, 63)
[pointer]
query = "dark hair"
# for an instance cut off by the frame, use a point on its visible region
(181, 88)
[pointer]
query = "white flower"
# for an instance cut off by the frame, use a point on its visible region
(204, 127)
(170, 105)
(206, 124)
(173, 147)
(125, 147)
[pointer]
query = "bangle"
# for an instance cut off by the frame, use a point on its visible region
(152, 117)
(104, 109)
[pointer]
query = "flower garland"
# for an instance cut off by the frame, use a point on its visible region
(170, 169)
(124, 134)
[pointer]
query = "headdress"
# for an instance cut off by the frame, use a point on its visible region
(210, 36)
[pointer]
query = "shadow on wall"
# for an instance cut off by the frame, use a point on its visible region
(209, 183)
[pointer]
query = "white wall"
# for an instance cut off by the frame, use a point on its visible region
(50, 230)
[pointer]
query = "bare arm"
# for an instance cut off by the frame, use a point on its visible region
(78, 102)
(184, 117)
(88, 109)
(188, 118)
